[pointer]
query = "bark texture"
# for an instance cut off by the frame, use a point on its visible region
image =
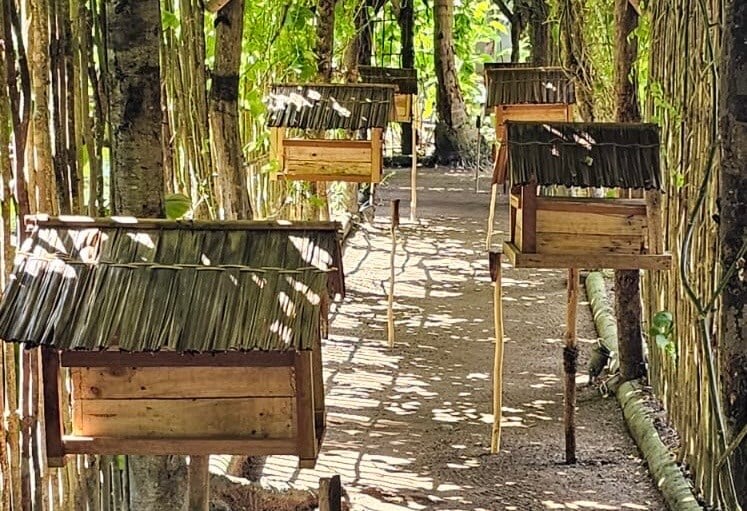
(224, 112)
(539, 32)
(733, 230)
(456, 137)
(325, 37)
(575, 58)
(627, 282)
(133, 38)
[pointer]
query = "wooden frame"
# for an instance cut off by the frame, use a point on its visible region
(572, 232)
(318, 159)
(253, 403)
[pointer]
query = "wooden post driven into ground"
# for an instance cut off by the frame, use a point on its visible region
(330, 494)
(570, 360)
(414, 165)
(199, 483)
(390, 303)
(495, 276)
(478, 124)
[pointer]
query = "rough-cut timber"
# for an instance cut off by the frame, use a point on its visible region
(733, 232)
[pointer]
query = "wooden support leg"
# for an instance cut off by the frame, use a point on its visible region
(330, 494)
(390, 302)
(199, 483)
(570, 360)
(414, 168)
(305, 427)
(491, 215)
(495, 275)
(50, 363)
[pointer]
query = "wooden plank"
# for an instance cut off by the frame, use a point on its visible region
(185, 446)
(402, 111)
(341, 151)
(586, 261)
(196, 418)
(377, 162)
(306, 433)
(563, 243)
(326, 143)
(528, 214)
(591, 205)
(323, 166)
(50, 367)
(655, 228)
(181, 382)
(583, 222)
(318, 375)
(174, 359)
(531, 112)
(324, 177)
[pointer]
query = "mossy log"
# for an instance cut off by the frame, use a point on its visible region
(676, 490)
(604, 316)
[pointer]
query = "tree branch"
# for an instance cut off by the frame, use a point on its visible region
(504, 9)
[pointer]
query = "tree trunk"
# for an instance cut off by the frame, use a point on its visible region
(133, 38)
(456, 137)
(134, 30)
(627, 282)
(539, 33)
(224, 112)
(406, 21)
(325, 38)
(576, 58)
(733, 230)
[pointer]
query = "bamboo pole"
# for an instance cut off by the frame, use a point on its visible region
(414, 165)
(478, 124)
(491, 215)
(495, 276)
(570, 359)
(390, 302)
(199, 483)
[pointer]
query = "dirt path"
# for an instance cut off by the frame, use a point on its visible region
(409, 429)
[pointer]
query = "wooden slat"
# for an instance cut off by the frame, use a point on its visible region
(277, 139)
(377, 162)
(162, 446)
(582, 223)
(590, 205)
(139, 224)
(323, 166)
(195, 418)
(324, 177)
(340, 151)
(50, 366)
(181, 382)
(563, 243)
(531, 112)
(586, 261)
(174, 359)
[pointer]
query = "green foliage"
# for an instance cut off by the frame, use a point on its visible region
(177, 205)
(662, 332)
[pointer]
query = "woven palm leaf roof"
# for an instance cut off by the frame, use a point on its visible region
(406, 79)
(510, 85)
(330, 106)
(584, 154)
(181, 286)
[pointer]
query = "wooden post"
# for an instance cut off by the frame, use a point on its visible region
(53, 429)
(330, 494)
(570, 360)
(199, 483)
(321, 187)
(390, 307)
(414, 166)
(495, 276)
(491, 215)
(655, 230)
(478, 124)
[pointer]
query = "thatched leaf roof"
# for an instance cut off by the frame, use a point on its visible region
(406, 79)
(584, 154)
(330, 106)
(509, 85)
(181, 286)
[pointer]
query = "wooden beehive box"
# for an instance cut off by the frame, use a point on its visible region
(571, 232)
(178, 337)
(524, 93)
(303, 118)
(406, 81)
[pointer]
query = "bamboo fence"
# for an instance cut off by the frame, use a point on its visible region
(685, 46)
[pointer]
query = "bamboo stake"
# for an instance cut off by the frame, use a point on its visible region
(414, 165)
(478, 124)
(495, 276)
(570, 359)
(390, 303)
(491, 214)
(199, 483)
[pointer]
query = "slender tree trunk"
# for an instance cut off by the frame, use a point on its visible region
(224, 112)
(733, 230)
(157, 483)
(576, 59)
(627, 282)
(325, 37)
(456, 136)
(406, 21)
(539, 33)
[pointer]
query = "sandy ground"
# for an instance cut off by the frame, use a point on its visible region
(409, 428)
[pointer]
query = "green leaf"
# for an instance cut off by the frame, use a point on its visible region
(662, 340)
(177, 205)
(662, 321)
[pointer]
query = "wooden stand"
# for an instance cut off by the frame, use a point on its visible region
(495, 276)
(390, 300)
(570, 360)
